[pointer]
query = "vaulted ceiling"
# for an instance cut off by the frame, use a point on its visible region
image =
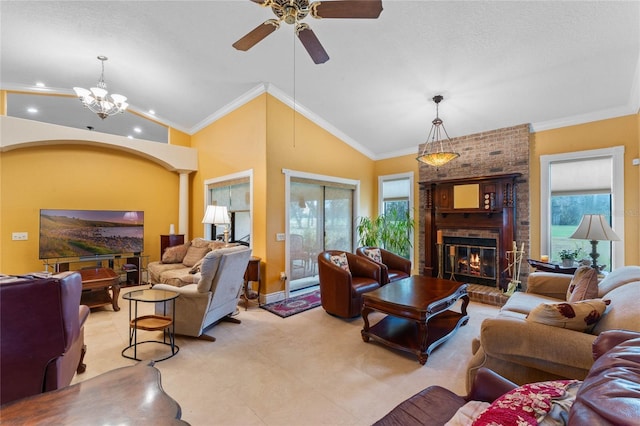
(498, 64)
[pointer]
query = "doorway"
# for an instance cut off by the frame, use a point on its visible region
(321, 215)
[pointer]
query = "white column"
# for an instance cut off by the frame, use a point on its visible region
(183, 208)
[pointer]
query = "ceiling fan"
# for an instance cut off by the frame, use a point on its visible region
(294, 11)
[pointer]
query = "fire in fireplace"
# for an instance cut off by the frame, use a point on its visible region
(471, 259)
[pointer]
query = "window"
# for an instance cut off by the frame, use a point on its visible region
(579, 183)
(395, 193)
(233, 191)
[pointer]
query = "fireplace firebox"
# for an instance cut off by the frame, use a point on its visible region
(471, 260)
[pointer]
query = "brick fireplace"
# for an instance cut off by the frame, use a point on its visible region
(477, 206)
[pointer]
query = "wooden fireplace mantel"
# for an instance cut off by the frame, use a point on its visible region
(478, 203)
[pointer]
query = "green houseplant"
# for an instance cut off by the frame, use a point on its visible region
(391, 231)
(568, 256)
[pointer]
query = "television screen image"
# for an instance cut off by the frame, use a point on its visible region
(83, 233)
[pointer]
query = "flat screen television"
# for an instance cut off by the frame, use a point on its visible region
(90, 233)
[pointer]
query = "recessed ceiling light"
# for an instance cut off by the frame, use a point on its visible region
(32, 110)
(137, 129)
(40, 84)
(152, 112)
(130, 137)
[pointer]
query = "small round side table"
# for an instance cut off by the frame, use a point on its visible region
(151, 322)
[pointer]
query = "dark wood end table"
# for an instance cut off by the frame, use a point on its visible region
(418, 315)
(96, 284)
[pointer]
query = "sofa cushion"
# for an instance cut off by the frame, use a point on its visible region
(584, 285)
(178, 277)
(623, 309)
(532, 403)
(175, 254)
(341, 261)
(579, 316)
(374, 254)
(617, 278)
(523, 303)
(194, 254)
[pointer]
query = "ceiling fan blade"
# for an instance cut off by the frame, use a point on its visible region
(367, 9)
(312, 44)
(256, 35)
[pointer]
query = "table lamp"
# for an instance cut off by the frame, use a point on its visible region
(594, 227)
(218, 215)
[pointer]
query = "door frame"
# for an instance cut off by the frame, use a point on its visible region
(288, 174)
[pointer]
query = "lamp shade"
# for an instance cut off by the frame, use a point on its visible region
(594, 227)
(217, 215)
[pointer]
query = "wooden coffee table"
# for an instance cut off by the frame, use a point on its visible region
(96, 284)
(418, 315)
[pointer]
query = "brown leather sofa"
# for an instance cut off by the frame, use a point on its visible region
(340, 290)
(609, 395)
(41, 324)
(393, 267)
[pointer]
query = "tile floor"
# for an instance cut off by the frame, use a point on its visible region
(311, 368)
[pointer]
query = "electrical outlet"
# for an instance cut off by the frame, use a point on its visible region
(280, 236)
(20, 236)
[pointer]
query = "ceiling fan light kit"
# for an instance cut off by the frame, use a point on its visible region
(98, 100)
(294, 11)
(438, 150)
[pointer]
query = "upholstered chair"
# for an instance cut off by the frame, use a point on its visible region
(214, 297)
(42, 329)
(393, 267)
(344, 278)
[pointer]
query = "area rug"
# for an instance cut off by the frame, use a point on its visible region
(294, 305)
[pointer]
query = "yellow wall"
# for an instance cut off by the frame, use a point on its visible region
(403, 164)
(78, 177)
(176, 137)
(259, 136)
(234, 143)
(599, 134)
(312, 150)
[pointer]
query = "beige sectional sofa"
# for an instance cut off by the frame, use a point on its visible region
(180, 265)
(525, 350)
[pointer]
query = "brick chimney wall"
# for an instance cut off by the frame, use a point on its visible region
(488, 153)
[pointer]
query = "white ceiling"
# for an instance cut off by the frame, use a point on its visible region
(497, 63)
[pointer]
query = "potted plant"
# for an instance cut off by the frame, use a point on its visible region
(569, 256)
(391, 231)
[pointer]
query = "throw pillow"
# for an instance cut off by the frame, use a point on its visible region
(341, 261)
(578, 316)
(530, 404)
(584, 285)
(175, 254)
(374, 254)
(194, 254)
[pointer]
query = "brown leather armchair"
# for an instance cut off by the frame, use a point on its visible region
(41, 324)
(393, 267)
(340, 290)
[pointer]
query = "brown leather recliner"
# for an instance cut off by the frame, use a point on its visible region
(41, 324)
(340, 290)
(393, 266)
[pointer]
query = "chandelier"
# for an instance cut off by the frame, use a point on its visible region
(98, 100)
(437, 150)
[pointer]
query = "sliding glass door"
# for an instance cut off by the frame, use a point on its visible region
(320, 218)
